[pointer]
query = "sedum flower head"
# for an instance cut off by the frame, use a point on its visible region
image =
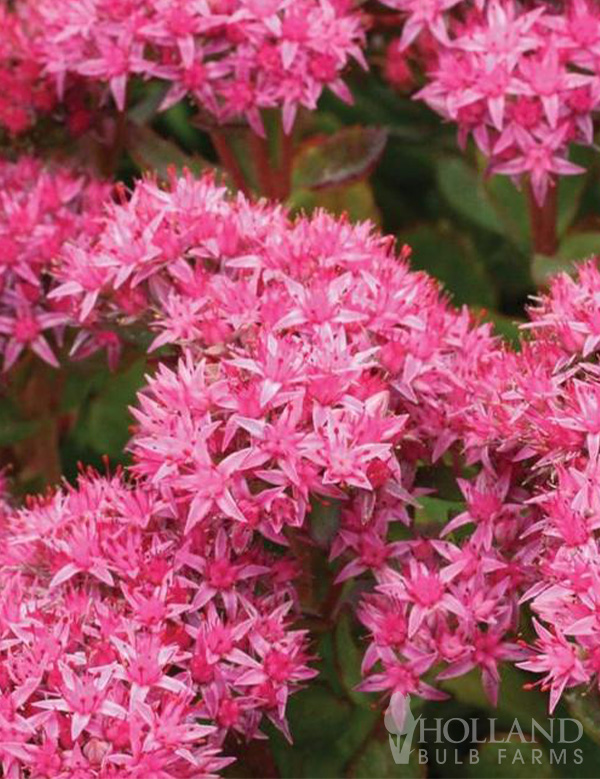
(40, 209)
(523, 82)
(127, 650)
(303, 366)
(232, 57)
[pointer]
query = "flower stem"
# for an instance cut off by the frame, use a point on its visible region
(543, 221)
(284, 174)
(111, 159)
(39, 398)
(228, 159)
(260, 150)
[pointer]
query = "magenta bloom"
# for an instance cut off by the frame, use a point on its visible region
(40, 209)
(233, 58)
(108, 645)
(524, 84)
(25, 93)
(308, 356)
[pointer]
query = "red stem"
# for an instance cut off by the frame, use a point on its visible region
(110, 155)
(260, 148)
(229, 160)
(39, 455)
(543, 221)
(284, 175)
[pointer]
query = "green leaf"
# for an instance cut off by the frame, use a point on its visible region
(585, 706)
(509, 267)
(543, 268)
(579, 246)
(178, 120)
(326, 757)
(573, 249)
(376, 760)
(570, 193)
(104, 425)
(324, 521)
(328, 667)
(13, 428)
(79, 386)
(332, 737)
(442, 478)
(147, 108)
(359, 728)
(513, 701)
(583, 758)
(376, 103)
(343, 158)
(435, 511)
(349, 659)
(355, 200)
(450, 257)
(463, 188)
(316, 714)
(151, 152)
(511, 208)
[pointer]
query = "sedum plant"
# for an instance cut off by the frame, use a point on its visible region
(287, 477)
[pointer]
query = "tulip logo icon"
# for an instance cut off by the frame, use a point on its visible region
(399, 721)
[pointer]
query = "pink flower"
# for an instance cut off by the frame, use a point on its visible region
(233, 60)
(39, 211)
(518, 82)
(83, 698)
(25, 330)
(424, 15)
(25, 93)
(99, 671)
(546, 78)
(558, 658)
(540, 156)
(424, 590)
(505, 35)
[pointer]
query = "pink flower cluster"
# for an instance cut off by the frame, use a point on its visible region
(303, 362)
(524, 83)
(40, 208)
(424, 16)
(529, 531)
(533, 422)
(24, 92)
(128, 651)
(560, 428)
(530, 422)
(443, 600)
(295, 334)
(315, 365)
(233, 57)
